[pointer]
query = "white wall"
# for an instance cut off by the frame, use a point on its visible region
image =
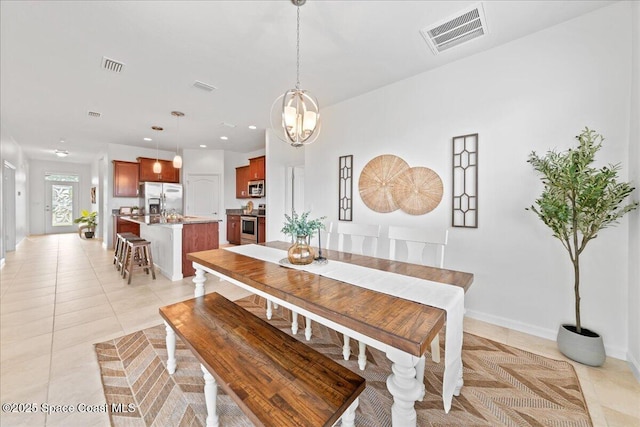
(535, 93)
(280, 156)
(633, 354)
(12, 153)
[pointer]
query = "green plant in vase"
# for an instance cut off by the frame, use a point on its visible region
(301, 229)
(90, 221)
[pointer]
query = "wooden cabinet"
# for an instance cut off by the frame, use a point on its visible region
(195, 238)
(262, 228)
(167, 174)
(242, 182)
(123, 226)
(125, 179)
(233, 229)
(257, 168)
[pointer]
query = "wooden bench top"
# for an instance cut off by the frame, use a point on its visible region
(274, 378)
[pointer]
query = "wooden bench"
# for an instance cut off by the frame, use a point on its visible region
(275, 379)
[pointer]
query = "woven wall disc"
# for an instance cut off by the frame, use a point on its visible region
(417, 191)
(377, 181)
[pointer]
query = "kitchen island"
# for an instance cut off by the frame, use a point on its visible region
(172, 240)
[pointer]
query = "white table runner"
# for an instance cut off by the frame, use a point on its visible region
(447, 297)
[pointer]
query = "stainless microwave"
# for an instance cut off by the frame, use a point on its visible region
(256, 188)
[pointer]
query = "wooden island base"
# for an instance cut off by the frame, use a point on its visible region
(275, 379)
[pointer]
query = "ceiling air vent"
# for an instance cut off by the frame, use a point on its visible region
(112, 65)
(204, 86)
(94, 114)
(456, 30)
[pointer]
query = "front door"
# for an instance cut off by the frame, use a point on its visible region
(203, 195)
(61, 207)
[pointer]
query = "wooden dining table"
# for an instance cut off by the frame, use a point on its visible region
(400, 328)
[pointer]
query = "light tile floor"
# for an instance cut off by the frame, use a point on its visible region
(60, 294)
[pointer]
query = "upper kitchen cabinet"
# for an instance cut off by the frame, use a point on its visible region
(256, 168)
(167, 174)
(242, 182)
(125, 179)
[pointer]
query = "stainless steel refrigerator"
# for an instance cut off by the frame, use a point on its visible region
(170, 196)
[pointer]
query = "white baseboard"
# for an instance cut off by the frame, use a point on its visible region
(550, 334)
(1, 262)
(633, 365)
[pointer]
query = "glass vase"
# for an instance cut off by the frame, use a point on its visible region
(300, 253)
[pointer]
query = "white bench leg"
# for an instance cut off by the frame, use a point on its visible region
(346, 348)
(171, 348)
(307, 329)
(362, 355)
(435, 349)
(210, 395)
(269, 309)
(349, 416)
(294, 322)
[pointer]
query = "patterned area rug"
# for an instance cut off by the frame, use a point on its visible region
(503, 386)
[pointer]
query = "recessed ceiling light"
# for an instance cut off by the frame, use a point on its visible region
(62, 153)
(224, 138)
(62, 140)
(252, 127)
(203, 146)
(148, 139)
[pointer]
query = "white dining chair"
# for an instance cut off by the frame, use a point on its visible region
(420, 246)
(360, 239)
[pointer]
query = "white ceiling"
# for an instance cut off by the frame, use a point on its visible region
(51, 53)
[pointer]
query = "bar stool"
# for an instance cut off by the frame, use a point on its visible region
(119, 245)
(138, 257)
(124, 248)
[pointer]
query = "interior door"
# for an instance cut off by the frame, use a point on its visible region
(203, 195)
(61, 207)
(9, 208)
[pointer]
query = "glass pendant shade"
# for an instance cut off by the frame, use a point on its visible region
(177, 161)
(157, 167)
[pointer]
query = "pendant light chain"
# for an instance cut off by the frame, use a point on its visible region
(298, 48)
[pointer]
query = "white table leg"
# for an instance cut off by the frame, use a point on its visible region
(269, 309)
(210, 395)
(404, 387)
(435, 349)
(420, 374)
(346, 348)
(362, 355)
(171, 348)
(199, 281)
(349, 416)
(307, 329)
(294, 322)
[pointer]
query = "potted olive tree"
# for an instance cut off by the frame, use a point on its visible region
(90, 221)
(579, 200)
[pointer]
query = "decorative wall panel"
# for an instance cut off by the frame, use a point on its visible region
(345, 189)
(465, 181)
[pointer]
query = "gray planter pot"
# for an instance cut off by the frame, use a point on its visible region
(586, 348)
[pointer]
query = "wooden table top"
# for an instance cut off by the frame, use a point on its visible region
(403, 324)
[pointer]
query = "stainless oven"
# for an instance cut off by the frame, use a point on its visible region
(248, 229)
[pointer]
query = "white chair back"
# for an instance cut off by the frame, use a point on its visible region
(361, 239)
(417, 245)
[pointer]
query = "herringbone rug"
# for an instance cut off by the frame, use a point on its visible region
(503, 386)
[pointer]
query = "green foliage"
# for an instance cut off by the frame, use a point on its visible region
(579, 200)
(298, 225)
(89, 218)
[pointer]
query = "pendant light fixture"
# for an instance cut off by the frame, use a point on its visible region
(177, 160)
(295, 116)
(157, 167)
